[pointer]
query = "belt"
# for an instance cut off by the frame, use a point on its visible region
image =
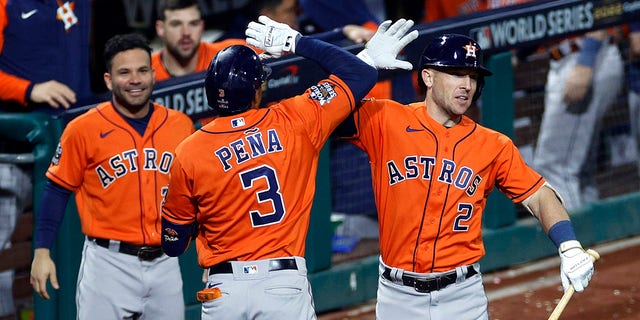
(274, 265)
(146, 253)
(426, 285)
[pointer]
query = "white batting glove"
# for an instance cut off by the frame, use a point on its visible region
(382, 49)
(273, 37)
(576, 265)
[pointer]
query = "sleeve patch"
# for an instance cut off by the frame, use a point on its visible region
(56, 157)
(323, 93)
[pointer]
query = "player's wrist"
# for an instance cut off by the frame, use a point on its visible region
(589, 52)
(570, 245)
(561, 232)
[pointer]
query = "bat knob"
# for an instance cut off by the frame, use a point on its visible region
(593, 254)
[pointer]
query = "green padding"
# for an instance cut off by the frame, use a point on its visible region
(497, 114)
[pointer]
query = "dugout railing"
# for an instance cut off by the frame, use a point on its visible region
(508, 240)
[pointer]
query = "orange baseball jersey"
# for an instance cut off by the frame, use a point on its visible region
(249, 180)
(206, 52)
(119, 177)
(431, 183)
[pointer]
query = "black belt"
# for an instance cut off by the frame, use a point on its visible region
(274, 265)
(146, 253)
(426, 285)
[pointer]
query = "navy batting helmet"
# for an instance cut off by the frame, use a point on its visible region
(233, 77)
(454, 51)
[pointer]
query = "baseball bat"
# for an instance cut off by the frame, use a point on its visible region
(555, 315)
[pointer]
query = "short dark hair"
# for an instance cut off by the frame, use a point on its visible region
(255, 6)
(124, 42)
(174, 5)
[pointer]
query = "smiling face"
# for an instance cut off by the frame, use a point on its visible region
(449, 92)
(181, 31)
(131, 81)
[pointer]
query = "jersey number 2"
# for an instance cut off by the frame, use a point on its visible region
(271, 194)
(465, 212)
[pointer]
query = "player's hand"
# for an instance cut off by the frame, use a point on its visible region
(578, 85)
(383, 48)
(576, 265)
(275, 38)
(53, 93)
(205, 275)
(43, 269)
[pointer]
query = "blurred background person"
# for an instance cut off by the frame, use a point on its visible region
(633, 83)
(44, 55)
(584, 80)
(180, 26)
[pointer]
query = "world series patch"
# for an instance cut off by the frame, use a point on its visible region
(56, 157)
(323, 92)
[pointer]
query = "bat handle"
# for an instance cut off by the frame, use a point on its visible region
(555, 315)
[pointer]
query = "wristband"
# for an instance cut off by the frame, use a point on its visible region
(561, 231)
(589, 52)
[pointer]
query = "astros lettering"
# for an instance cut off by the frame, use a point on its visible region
(249, 147)
(127, 161)
(423, 167)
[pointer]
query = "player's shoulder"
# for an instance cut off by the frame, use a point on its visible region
(491, 134)
(91, 113)
(88, 120)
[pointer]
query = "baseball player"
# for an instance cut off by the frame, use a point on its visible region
(52, 82)
(180, 27)
(585, 77)
(433, 169)
(116, 158)
(248, 177)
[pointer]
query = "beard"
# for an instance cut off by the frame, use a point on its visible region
(181, 57)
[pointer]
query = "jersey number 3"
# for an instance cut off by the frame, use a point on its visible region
(270, 194)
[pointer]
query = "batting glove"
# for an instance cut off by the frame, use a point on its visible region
(273, 37)
(576, 265)
(382, 49)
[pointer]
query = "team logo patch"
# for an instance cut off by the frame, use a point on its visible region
(237, 122)
(66, 15)
(323, 92)
(250, 269)
(56, 157)
(171, 235)
(471, 50)
(222, 102)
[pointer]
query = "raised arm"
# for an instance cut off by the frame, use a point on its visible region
(278, 39)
